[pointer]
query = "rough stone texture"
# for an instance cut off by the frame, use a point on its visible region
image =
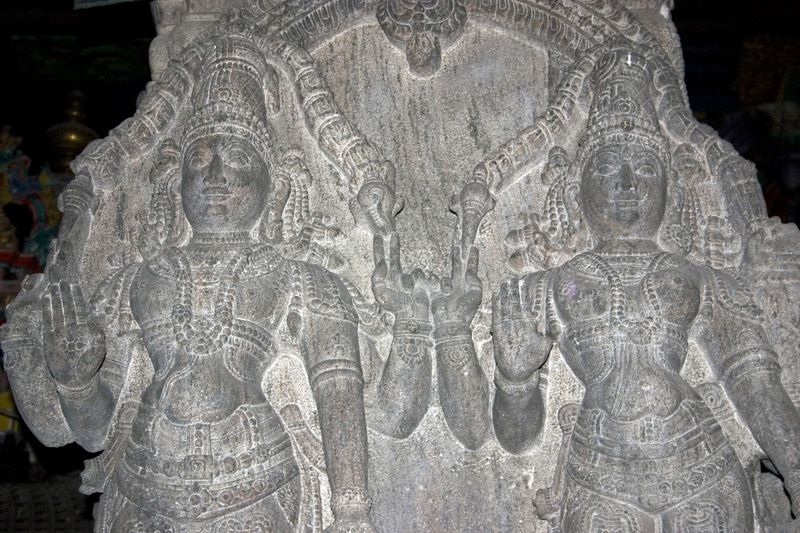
(418, 266)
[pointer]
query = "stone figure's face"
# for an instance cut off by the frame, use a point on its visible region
(623, 191)
(225, 184)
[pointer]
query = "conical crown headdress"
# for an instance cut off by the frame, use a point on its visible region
(230, 98)
(622, 110)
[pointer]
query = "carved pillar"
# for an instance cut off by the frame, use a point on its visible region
(350, 259)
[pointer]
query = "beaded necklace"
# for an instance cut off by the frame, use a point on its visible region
(205, 335)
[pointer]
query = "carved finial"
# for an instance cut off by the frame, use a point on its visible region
(422, 29)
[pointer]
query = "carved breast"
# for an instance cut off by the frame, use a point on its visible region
(642, 310)
(675, 293)
(583, 297)
(199, 378)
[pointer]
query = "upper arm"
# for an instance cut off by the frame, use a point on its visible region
(731, 333)
(329, 327)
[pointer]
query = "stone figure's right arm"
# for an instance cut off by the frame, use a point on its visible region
(74, 349)
(404, 390)
(521, 347)
(57, 347)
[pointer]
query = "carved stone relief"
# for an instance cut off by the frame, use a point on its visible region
(464, 265)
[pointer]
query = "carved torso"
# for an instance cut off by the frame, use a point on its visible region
(217, 358)
(208, 317)
(626, 323)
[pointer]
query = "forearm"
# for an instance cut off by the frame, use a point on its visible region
(88, 408)
(518, 411)
(755, 388)
(463, 387)
(35, 393)
(404, 390)
(344, 436)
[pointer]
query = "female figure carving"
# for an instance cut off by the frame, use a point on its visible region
(205, 450)
(645, 451)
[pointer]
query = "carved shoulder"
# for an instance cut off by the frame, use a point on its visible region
(728, 297)
(112, 299)
(320, 292)
(542, 302)
(730, 329)
(152, 288)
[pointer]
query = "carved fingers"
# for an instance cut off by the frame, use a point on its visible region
(519, 348)
(71, 346)
(458, 297)
(404, 294)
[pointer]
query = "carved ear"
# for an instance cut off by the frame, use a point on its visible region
(572, 199)
(272, 90)
(674, 235)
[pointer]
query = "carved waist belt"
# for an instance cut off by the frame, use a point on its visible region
(205, 486)
(651, 462)
(247, 427)
(207, 467)
(649, 437)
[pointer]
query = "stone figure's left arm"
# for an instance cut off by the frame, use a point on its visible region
(329, 344)
(747, 366)
(463, 386)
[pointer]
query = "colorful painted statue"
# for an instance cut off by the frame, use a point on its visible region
(199, 447)
(645, 451)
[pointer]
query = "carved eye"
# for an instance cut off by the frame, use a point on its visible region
(199, 158)
(607, 169)
(646, 170)
(238, 158)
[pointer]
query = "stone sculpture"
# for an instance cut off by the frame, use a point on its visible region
(645, 451)
(205, 448)
(625, 348)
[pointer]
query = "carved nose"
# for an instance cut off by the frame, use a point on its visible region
(625, 183)
(215, 173)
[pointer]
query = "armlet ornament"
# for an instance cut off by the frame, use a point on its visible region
(332, 369)
(749, 361)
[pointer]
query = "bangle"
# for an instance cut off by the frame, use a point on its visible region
(411, 328)
(413, 350)
(80, 392)
(516, 389)
(452, 330)
(349, 499)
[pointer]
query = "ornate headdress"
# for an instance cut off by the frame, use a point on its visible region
(230, 98)
(622, 110)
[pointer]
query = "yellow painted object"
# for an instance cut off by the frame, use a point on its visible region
(8, 413)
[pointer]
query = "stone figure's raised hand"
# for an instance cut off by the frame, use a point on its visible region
(774, 247)
(72, 346)
(405, 295)
(518, 346)
(459, 296)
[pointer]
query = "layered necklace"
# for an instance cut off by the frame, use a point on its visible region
(206, 335)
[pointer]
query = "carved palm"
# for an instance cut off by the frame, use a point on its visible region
(74, 352)
(516, 340)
